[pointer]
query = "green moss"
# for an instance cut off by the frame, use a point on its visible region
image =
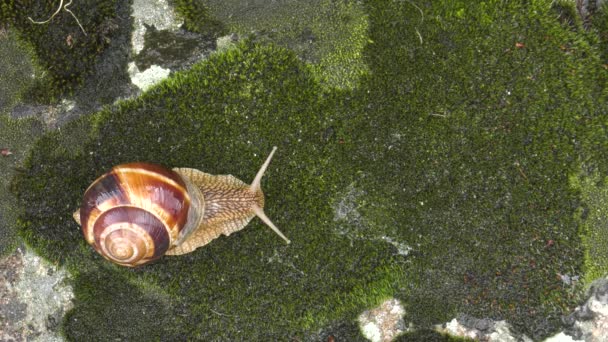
(567, 12)
(439, 177)
(197, 18)
(128, 313)
(593, 216)
(429, 336)
(17, 137)
(64, 51)
(481, 122)
(329, 34)
(240, 104)
(338, 33)
(17, 73)
(600, 24)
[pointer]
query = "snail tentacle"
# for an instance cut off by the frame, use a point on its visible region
(256, 184)
(259, 212)
(256, 187)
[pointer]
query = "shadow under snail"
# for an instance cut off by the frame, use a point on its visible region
(138, 212)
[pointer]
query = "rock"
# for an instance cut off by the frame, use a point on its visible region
(34, 297)
(160, 46)
(147, 78)
(383, 323)
(591, 318)
(155, 13)
(483, 329)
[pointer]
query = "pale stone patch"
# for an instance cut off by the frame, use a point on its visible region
(34, 297)
(592, 316)
(481, 330)
(157, 13)
(383, 323)
(561, 337)
(147, 78)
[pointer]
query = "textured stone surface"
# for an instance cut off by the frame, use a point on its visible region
(483, 329)
(155, 13)
(589, 322)
(384, 322)
(147, 78)
(381, 323)
(34, 297)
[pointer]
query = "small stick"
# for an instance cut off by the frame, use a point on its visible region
(65, 8)
(521, 172)
(49, 19)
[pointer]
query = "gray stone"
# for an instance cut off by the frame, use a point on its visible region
(34, 297)
(155, 13)
(384, 322)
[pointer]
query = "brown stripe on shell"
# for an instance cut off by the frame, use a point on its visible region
(103, 194)
(130, 236)
(151, 187)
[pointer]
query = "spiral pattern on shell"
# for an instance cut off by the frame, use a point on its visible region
(133, 214)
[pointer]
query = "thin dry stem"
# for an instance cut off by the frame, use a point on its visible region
(421, 19)
(65, 8)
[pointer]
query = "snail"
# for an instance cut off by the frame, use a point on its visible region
(138, 212)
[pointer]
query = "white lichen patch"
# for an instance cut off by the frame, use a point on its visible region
(591, 318)
(561, 337)
(277, 258)
(383, 323)
(346, 209)
(149, 77)
(352, 224)
(34, 297)
(157, 13)
(402, 248)
(481, 330)
(226, 43)
(454, 328)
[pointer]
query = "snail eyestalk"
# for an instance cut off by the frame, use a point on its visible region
(259, 212)
(256, 186)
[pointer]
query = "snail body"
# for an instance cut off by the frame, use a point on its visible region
(138, 212)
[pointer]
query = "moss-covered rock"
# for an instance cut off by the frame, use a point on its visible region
(16, 139)
(197, 18)
(328, 34)
(482, 121)
(593, 216)
(240, 103)
(18, 73)
(441, 177)
(68, 44)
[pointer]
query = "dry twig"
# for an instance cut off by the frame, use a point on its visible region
(65, 8)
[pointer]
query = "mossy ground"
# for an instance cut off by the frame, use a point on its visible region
(457, 141)
(329, 34)
(17, 75)
(17, 137)
(593, 216)
(66, 47)
(17, 72)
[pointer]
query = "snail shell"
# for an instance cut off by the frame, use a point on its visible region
(138, 212)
